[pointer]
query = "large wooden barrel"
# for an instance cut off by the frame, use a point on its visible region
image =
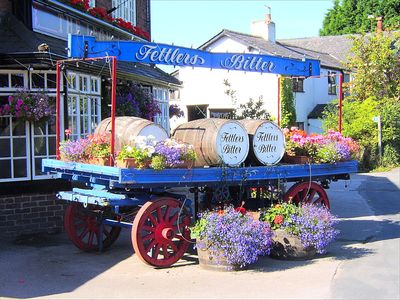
(267, 142)
(127, 128)
(215, 141)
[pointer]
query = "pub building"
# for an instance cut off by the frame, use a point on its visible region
(33, 36)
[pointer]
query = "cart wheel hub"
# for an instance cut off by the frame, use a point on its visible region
(167, 233)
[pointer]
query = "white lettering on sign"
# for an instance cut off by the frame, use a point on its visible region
(232, 143)
(157, 54)
(269, 143)
(251, 63)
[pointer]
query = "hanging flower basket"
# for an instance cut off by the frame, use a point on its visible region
(27, 106)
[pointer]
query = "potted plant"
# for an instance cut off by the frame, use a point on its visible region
(300, 231)
(75, 151)
(138, 154)
(99, 149)
(175, 111)
(328, 148)
(172, 154)
(229, 239)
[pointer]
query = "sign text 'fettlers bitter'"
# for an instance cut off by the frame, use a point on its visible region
(153, 53)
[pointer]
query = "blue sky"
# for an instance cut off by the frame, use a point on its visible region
(193, 22)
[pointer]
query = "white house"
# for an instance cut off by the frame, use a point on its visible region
(204, 92)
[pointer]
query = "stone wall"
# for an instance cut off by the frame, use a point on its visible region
(30, 213)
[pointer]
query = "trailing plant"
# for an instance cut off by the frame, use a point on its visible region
(314, 225)
(233, 236)
(29, 106)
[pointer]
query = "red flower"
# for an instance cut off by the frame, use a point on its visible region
(241, 209)
(278, 219)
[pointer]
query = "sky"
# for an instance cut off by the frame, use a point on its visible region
(191, 23)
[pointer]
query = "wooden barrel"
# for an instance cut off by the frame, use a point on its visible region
(215, 141)
(127, 128)
(267, 142)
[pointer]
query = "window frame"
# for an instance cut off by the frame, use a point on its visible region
(296, 85)
(332, 86)
(125, 10)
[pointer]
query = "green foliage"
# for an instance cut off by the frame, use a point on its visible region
(158, 162)
(351, 16)
(375, 67)
(278, 213)
(288, 109)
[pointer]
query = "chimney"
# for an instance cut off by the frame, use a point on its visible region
(264, 28)
(378, 24)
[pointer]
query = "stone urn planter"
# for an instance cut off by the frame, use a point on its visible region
(206, 261)
(288, 246)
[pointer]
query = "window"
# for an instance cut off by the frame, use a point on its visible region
(92, 3)
(298, 85)
(84, 105)
(11, 80)
(14, 149)
(125, 9)
(162, 97)
(332, 83)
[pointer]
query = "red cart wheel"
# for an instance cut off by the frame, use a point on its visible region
(307, 192)
(160, 232)
(82, 228)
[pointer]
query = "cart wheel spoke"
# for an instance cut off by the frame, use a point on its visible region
(163, 239)
(174, 218)
(151, 245)
(173, 246)
(156, 251)
(159, 215)
(83, 228)
(153, 220)
(167, 212)
(165, 251)
(307, 192)
(311, 196)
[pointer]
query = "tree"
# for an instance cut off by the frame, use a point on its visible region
(374, 91)
(375, 65)
(288, 109)
(352, 16)
(253, 110)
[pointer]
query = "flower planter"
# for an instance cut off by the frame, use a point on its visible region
(188, 164)
(288, 246)
(101, 161)
(206, 261)
(127, 163)
(296, 159)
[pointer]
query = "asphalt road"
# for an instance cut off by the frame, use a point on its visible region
(364, 263)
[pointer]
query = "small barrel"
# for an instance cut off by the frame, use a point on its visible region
(127, 128)
(215, 141)
(267, 142)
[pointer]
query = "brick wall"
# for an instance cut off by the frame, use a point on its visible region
(30, 213)
(143, 15)
(104, 3)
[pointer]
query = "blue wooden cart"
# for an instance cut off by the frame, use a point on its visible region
(110, 198)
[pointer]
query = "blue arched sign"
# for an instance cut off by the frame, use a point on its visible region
(154, 53)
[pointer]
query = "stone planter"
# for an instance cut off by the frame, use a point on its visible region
(287, 246)
(206, 261)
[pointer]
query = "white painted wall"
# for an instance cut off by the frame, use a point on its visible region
(205, 87)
